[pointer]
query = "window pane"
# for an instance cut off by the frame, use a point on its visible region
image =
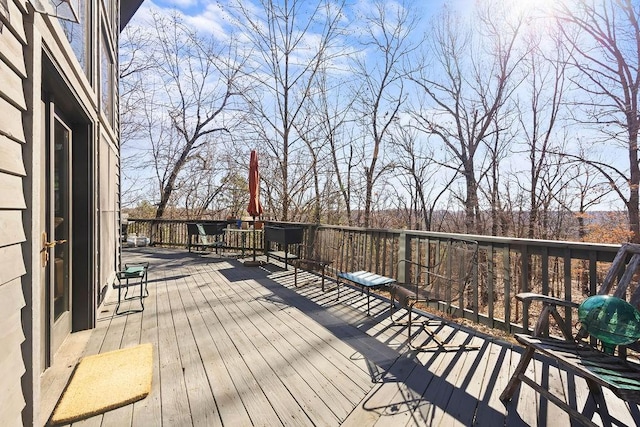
(106, 80)
(77, 34)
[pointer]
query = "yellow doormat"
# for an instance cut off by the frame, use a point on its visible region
(104, 382)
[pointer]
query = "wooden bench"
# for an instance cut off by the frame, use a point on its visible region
(284, 237)
(580, 356)
(207, 235)
(364, 279)
(310, 259)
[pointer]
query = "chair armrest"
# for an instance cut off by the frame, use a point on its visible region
(408, 261)
(549, 309)
(545, 299)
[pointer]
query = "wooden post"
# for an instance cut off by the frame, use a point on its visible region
(404, 252)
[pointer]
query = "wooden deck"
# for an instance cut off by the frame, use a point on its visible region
(241, 346)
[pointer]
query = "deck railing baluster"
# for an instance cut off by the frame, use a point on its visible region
(491, 298)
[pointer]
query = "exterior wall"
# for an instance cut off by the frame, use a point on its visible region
(27, 41)
(108, 209)
(12, 206)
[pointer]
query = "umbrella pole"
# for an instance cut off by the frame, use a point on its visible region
(254, 238)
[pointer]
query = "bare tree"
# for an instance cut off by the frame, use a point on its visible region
(291, 41)
(329, 118)
(387, 44)
(603, 39)
(134, 46)
(422, 176)
(189, 96)
(470, 84)
(588, 189)
(497, 145)
(539, 116)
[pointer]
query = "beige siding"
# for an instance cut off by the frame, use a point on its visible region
(11, 230)
(11, 336)
(14, 21)
(11, 194)
(11, 121)
(11, 52)
(11, 265)
(11, 156)
(12, 202)
(11, 86)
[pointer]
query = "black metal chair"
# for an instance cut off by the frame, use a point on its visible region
(443, 278)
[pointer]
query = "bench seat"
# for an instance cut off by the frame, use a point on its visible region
(620, 376)
(364, 279)
(207, 235)
(282, 255)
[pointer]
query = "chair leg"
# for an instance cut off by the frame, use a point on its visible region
(142, 293)
(439, 344)
(393, 309)
(119, 296)
(600, 403)
(515, 380)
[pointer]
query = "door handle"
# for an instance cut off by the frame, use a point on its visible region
(47, 245)
(44, 253)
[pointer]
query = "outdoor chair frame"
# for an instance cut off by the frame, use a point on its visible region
(446, 274)
(579, 353)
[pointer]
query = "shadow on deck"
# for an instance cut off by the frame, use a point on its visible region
(236, 345)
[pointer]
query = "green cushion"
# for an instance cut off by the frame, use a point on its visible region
(611, 320)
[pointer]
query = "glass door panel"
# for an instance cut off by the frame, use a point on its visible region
(58, 221)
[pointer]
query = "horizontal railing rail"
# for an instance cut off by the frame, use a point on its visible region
(505, 266)
(173, 233)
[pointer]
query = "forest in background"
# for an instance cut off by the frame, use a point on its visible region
(509, 118)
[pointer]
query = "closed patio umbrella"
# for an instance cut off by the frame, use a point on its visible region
(255, 208)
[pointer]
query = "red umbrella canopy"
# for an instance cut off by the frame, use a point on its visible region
(255, 208)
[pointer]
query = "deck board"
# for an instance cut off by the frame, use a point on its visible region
(239, 346)
(317, 372)
(247, 387)
(205, 327)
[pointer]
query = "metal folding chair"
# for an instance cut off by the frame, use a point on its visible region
(442, 277)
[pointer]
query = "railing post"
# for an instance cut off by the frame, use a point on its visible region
(404, 252)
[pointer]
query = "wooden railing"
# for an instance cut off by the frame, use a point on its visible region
(506, 266)
(173, 233)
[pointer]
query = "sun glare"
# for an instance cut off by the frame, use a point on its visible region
(533, 8)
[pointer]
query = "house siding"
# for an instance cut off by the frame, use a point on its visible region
(38, 68)
(12, 206)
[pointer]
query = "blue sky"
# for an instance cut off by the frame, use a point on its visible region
(209, 17)
(205, 15)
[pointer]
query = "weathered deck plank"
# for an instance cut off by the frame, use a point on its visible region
(149, 410)
(276, 380)
(317, 372)
(248, 388)
(204, 324)
(241, 346)
(173, 388)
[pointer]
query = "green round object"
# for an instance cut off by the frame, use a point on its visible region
(610, 319)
